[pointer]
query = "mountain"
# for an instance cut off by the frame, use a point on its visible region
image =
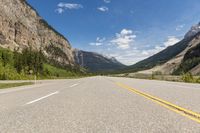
(22, 27)
(191, 59)
(160, 58)
(193, 31)
(30, 46)
(95, 62)
(176, 59)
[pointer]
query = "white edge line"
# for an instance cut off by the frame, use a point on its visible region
(42, 98)
(73, 85)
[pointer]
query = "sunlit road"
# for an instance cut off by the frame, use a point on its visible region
(101, 105)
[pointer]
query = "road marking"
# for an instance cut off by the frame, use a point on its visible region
(73, 85)
(42, 98)
(182, 111)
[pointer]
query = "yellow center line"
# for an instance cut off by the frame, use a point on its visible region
(182, 111)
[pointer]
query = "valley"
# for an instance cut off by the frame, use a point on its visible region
(99, 66)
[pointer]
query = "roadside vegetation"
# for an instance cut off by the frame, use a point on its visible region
(28, 63)
(10, 85)
(185, 77)
(189, 78)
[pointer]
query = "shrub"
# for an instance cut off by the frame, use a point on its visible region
(187, 77)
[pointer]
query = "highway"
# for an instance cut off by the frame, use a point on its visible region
(101, 105)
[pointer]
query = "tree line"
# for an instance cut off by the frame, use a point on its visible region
(28, 60)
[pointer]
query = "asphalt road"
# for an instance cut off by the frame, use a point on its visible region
(101, 105)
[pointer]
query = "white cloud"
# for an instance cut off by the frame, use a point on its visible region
(129, 57)
(171, 41)
(107, 1)
(60, 10)
(99, 41)
(180, 27)
(70, 6)
(67, 6)
(132, 55)
(95, 44)
(103, 9)
(124, 39)
(124, 48)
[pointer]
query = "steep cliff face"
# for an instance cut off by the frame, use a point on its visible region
(21, 26)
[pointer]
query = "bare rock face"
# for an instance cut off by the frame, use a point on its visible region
(21, 26)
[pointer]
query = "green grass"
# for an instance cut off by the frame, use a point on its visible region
(54, 72)
(10, 85)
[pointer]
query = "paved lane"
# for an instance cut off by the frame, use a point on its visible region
(90, 105)
(183, 94)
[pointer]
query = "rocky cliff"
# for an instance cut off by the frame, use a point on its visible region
(21, 26)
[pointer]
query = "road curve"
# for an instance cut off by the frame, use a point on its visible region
(99, 105)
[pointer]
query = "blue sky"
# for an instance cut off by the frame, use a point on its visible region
(129, 30)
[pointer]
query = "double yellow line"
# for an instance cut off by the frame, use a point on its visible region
(182, 111)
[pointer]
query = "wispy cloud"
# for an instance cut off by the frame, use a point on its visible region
(60, 10)
(133, 55)
(127, 49)
(171, 40)
(107, 1)
(103, 9)
(124, 47)
(70, 5)
(180, 27)
(61, 7)
(99, 41)
(124, 39)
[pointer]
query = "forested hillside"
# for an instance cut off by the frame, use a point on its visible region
(28, 63)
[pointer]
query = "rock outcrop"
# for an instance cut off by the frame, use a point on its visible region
(21, 26)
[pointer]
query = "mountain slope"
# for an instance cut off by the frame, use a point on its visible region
(21, 27)
(160, 57)
(191, 61)
(95, 62)
(171, 58)
(175, 64)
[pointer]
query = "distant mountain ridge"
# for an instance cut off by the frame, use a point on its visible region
(95, 62)
(173, 59)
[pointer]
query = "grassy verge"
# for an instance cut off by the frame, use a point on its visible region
(10, 85)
